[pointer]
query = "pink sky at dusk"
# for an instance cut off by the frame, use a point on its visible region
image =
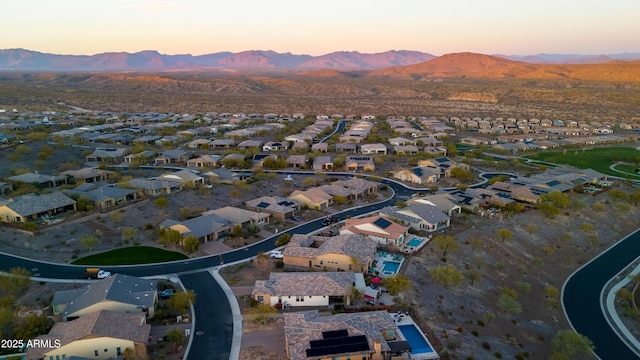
(200, 26)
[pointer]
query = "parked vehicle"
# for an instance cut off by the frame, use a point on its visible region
(95, 273)
(296, 218)
(165, 294)
(276, 254)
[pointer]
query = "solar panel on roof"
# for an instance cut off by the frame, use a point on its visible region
(339, 345)
(418, 171)
(553, 183)
(335, 334)
(382, 223)
(263, 205)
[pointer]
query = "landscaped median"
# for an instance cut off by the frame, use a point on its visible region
(131, 256)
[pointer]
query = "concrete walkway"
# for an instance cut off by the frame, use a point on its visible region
(609, 308)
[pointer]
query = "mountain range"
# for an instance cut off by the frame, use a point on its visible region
(27, 60)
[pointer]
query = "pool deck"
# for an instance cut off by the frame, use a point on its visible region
(410, 249)
(381, 257)
(403, 319)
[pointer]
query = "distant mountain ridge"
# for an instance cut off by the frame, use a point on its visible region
(27, 60)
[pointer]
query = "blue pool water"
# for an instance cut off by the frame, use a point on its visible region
(414, 337)
(415, 242)
(390, 267)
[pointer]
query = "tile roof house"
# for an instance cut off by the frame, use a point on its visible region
(445, 165)
(103, 196)
(418, 216)
(323, 163)
(334, 253)
(443, 202)
(313, 198)
(40, 180)
(204, 161)
(360, 335)
(154, 187)
(182, 176)
(363, 163)
(101, 335)
(31, 207)
(305, 288)
(280, 208)
(107, 155)
(377, 228)
(321, 147)
(358, 187)
(419, 175)
(223, 176)
(123, 293)
(205, 227)
(172, 157)
(238, 216)
(367, 149)
(297, 161)
(89, 174)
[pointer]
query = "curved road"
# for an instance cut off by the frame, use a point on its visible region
(582, 298)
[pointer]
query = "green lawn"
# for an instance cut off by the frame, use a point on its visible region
(130, 256)
(598, 159)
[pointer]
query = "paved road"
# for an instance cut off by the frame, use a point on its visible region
(582, 298)
(213, 332)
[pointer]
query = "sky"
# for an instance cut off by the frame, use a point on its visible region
(506, 27)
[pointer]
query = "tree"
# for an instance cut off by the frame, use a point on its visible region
(283, 240)
(568, 344)
(191, 244)
(161, 202)
(253, 228)
(446, 275)
(617, 194)
(475, 243)
(170, 237)
(556, 198)
(17, 281)
(181, 301)
(396, 284)
(237, 230)
(504, 234)
(509, 304)
(33, 326)
(128, 234)
(262, 263)
(262, 313)
(446, 243)
(475, 275)
(352, 295)
(634, 197)
(461, 174)
(176, 336)
(89, 241)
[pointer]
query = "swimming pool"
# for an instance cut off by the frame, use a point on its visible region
(415, 242)
(390, 267)
(418, 342)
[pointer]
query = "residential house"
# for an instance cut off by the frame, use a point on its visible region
(89, 174)
(275, 146)
(107, 155)
(183, 176)
(400, 141)
(313, 198)
(362, 163)
(242, 217)
(359, 188)
(142, 157)
(293, 289)
(367, 149)
(172, 157)
(206, 228)
(223, 176)
(335, 253)
(419, 175)
(519, 193)
(154, 187)
(103, 196)
(358, 335)
(346, 147)
(406, 149)
(443, 202)
(41, 181)
(418, 216)
(280, 208)
(32, 207)
(204, 161)
(122, 293)
(222, 144)
(445, 165)
(199, 143)
(322, 163)
(377, 228)
(250, 144)
(100, 335)
(297, 161)
(321, 147)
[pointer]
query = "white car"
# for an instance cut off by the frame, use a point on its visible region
(276, 254)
